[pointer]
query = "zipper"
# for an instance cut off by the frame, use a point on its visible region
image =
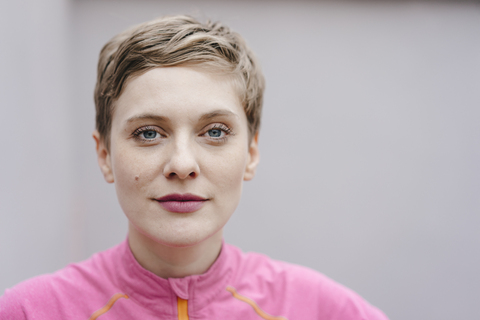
(182, 308)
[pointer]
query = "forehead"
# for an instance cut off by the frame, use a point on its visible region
(185, 91)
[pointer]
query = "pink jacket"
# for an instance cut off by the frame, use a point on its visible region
(112, 285)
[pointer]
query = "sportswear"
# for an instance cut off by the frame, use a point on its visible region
(113, 285)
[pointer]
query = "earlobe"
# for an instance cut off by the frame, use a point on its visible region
(103, 157)
(253, 159)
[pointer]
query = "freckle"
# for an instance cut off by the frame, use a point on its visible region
(136, 178)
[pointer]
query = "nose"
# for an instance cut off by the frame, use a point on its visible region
(182, 162)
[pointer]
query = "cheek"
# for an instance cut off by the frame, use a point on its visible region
(228, 170)
(131, 170)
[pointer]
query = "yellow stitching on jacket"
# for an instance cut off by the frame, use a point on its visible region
(253, 304)
(108, 306)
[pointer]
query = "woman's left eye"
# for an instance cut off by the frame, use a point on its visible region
(215, 133)
(218, 133)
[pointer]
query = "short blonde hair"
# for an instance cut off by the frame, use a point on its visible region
(174, 41)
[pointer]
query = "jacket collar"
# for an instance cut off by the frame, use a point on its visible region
(155, 293)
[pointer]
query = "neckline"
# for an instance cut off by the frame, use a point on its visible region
(149, 290)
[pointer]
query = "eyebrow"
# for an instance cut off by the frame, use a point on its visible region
(146, 116)
(210, 115)
(218, 113)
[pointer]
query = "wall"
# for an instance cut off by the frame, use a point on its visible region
(36, 139)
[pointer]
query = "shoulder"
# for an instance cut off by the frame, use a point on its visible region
(303, 291)
(259, 267)
(56, 293)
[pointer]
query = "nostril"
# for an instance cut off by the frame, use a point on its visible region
(172, 175)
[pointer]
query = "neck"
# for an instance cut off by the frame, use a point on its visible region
(174, 262)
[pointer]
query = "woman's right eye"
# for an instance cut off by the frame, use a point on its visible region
(149, 134)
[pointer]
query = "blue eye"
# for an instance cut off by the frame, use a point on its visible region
(149, 134)
(215, 133)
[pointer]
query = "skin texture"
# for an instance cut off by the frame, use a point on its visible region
(178, 130)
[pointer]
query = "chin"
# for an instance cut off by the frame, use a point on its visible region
(179, 242)
(180, 237)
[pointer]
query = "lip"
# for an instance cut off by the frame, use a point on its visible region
(181, 203)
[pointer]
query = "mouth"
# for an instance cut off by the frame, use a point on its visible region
(181, 203)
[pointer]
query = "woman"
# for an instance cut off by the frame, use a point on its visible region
(178, 108)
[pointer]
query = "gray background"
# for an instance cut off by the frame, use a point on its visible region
(369, 146)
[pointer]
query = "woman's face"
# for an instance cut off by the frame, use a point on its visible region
(179, 153)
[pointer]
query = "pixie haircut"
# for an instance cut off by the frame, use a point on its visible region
(176, 41)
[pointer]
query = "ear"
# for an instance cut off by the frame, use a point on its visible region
(103, 157)
(253, 159)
